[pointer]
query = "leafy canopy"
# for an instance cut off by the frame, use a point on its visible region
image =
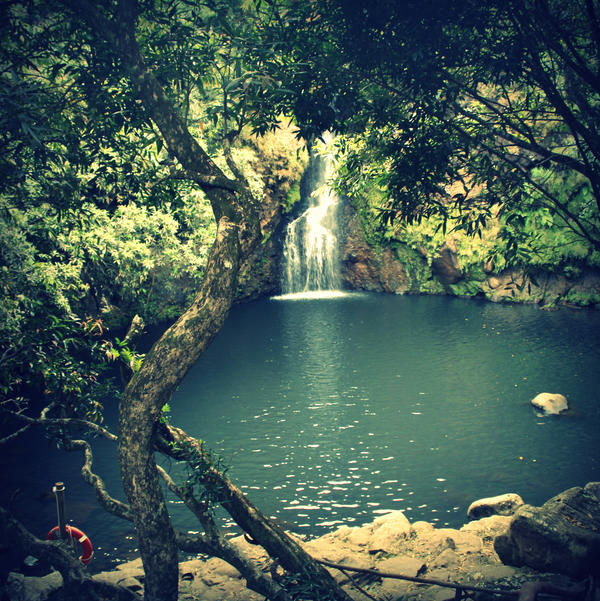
(499, 99)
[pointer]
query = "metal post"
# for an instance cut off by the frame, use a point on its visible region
(59, 492)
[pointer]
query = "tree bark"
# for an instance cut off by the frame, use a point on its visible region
(238, 232)
(140, 409)
(170, 358)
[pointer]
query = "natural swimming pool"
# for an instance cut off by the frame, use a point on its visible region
(334, 411)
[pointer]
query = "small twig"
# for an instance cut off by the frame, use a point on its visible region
(357, 586)
(415, 579)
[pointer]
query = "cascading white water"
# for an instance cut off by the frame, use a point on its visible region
(310, 253)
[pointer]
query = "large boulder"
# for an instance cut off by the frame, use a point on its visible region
(550, 403)
(445, 265)
(386, 533)
(364, 268)
(360, 266)
(392, 274)
(561, 536)
(500, 505)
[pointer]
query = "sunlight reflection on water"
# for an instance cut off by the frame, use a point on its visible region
(336, 412)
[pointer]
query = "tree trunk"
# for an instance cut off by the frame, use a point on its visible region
(140, 409)
(170, 358)
(238, 232)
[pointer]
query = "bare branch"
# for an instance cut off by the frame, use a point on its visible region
(110, 504)
(216, 181)
(44, 412)
(63, 421)
(15, 435)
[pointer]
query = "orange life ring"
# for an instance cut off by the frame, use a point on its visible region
(78, 535)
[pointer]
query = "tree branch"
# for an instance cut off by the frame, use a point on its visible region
(571, 219)
(76, 581)
(557, 34)
(176, 443)
(219, 546)
(532, 145)
(595, 26)
(15, 435)
(110, 504)
(59, 421)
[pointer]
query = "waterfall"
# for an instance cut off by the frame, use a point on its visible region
(310, 254)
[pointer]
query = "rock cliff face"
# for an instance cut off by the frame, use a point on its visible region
(543, 288)
(262, 275)
(399, 269)
(363, 268)
(261, 278)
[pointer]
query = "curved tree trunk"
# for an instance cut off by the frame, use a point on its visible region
(238, 232)
(181, 345)
(140, 409)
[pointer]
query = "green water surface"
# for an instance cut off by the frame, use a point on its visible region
(333, 411)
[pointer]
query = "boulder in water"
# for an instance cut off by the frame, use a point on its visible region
(563, 535)
(552, 404)
(500, 505)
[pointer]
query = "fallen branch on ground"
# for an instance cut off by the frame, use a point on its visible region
(528, 591)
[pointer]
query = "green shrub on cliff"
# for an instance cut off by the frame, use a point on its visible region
(528, 236)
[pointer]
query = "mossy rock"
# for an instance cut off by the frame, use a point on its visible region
(467, 288)
(419, 273)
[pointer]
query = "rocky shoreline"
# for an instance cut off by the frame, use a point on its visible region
(389, 544)
(448, 269)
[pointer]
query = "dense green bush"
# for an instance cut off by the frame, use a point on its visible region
(528, 237)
